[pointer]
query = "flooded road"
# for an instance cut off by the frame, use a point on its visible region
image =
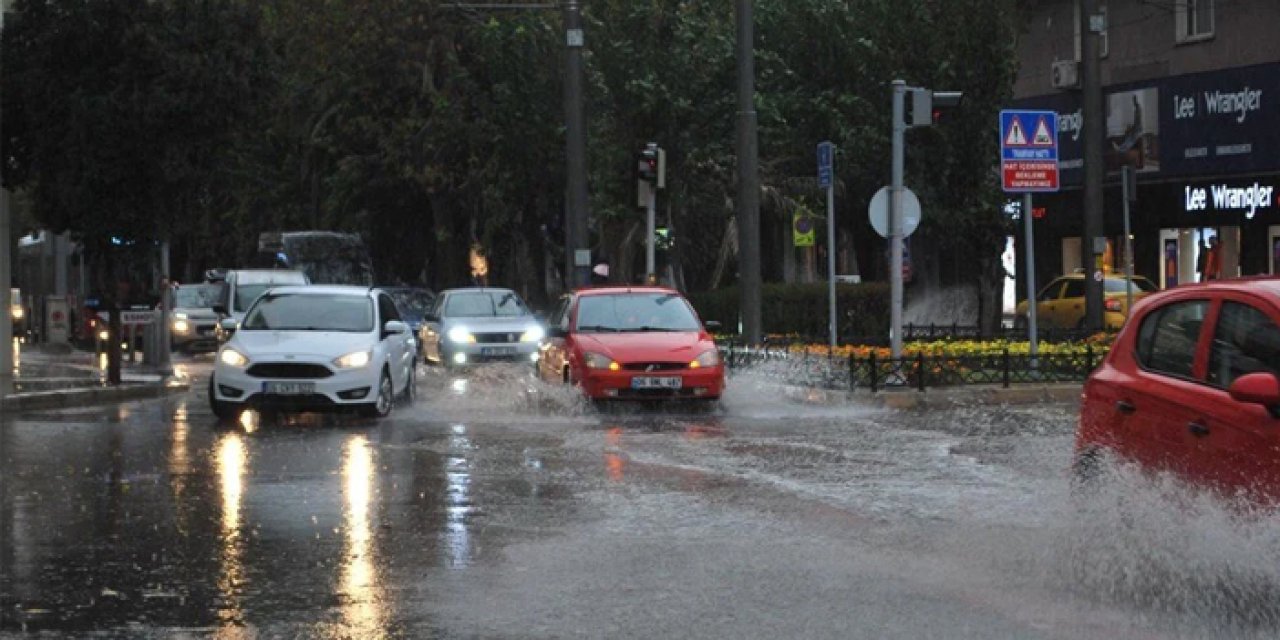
(499, 508)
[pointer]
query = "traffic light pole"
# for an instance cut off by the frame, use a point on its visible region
(577, 272)
(895, 219)
(1093, 244)
(650, 231)
(748, 201)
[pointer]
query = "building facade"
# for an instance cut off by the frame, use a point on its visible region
(1191, 97)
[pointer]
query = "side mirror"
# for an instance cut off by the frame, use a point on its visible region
(220, 309)
(557, 332)
(712, 325)
(394, 327)
(228, 325)
(1257, 388)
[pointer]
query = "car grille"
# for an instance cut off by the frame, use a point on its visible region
(655, 366)
(289, 370)
(497, 338)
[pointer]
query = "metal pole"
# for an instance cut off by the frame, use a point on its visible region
(831, 265)
(163, 364)
(748, 201)
(1126, 175)
(1031, 272)
(650, 230)
(6, 281)
(576, 202)
(895, 220)
(1093, 243)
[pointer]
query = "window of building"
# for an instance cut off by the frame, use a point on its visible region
(1168, 336)
(1194, 19)
(1102, 37)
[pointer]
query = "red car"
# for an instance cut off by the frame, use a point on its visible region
(638, 342)
(1190, 386)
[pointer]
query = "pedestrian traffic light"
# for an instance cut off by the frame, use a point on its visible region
(651, 165)
(926, 107)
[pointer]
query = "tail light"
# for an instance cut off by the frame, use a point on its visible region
(1112, 304)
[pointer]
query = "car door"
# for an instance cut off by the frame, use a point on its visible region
(430, 334)
(1069, 309)
(1237, 444)
(399, 352)
(1156, 401)
(554, 350)
(1047, 304)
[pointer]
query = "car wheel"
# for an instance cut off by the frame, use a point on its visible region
(410, 393)
(383, 402)
(223, 411)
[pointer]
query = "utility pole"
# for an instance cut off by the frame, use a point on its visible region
(6, 279)
(164, 365)
(1093, 243)
(577, 269)
(748, 201)
(897, 170)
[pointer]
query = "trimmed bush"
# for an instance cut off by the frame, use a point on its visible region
(801, 309)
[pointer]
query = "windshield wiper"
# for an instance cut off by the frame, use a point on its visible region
(597, 327)
(649, 328)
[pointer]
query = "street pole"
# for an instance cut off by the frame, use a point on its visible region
(748, 201)
(163, 363)
(1128, 186)
(6, 279)
(650, 231)
(576, 203)
(1093, 243)
(1031, 272)
(895, 219)
(831, 264)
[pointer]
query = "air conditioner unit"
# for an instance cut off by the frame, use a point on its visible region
(1065, 74)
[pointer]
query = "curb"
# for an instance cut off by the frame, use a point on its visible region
(905, 399)
(83, 397)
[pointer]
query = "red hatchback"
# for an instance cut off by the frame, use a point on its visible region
(1190, 386)
(631, 343)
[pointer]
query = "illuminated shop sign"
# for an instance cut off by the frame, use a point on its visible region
(1222, 197)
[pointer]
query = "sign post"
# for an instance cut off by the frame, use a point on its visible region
(826, 156)
(1029, 164)
(1129, 185)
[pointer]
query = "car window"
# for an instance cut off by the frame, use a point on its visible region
(636, 312)
(1050, 292)
(1075, 289)
(560, 317)
(310, 312)
(201, 296)
(412, 301)
(387, 309)
(247, 293)
(485, 304)
(1168, 336)
(1245, 340)
(1117, 285)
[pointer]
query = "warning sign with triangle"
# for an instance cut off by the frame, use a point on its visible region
(1015, 137)
(1042, 137)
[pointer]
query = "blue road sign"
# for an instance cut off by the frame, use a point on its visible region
(1029, 150)
(826, 153)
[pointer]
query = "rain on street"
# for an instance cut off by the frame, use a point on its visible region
(500, 508)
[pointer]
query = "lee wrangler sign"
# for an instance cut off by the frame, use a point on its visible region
(1029, 151)
(1221, 197)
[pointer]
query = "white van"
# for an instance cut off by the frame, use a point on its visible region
(243, 286)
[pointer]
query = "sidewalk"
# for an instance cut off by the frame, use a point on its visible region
(47, 377)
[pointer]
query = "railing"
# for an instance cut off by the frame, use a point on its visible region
(803, 366)
(931, 332)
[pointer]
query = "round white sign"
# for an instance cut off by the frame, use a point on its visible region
(879, 212)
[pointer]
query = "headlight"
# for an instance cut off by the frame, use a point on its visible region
(181, 326)
(534, 334)
(179, 316)
(18, 313)
(104, 334)
(461, 335)
(233, 358)
(708, 358)
(597, 361)
(353, 360)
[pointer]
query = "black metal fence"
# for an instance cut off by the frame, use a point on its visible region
(801, 365)
(931, 332)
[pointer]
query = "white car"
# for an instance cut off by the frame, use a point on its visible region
(316, 348)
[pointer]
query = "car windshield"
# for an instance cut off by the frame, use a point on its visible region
(1116, 285)
(485, 304)
(635, 312)
(414, 302)
(201, 296)
(310, 312)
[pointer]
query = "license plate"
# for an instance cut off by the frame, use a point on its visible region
(497, 351)
(289, 388)
(657, 382)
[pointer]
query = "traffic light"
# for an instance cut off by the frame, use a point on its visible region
(651, 165)
(926, 107)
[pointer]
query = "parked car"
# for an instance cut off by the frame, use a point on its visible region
(313, 348)
(1190, 387)
(1060, 304)
(194, 324)
(241, 287)
(618, 343)
(479, 324)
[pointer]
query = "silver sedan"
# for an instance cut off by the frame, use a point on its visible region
(479, 324)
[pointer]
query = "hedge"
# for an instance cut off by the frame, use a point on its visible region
(802, 309)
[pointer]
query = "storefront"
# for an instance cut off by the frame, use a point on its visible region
(1206, 149)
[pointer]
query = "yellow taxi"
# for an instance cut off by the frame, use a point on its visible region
(1060, 303)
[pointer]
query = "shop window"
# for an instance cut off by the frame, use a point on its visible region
(1103, 45)
(1194, 20)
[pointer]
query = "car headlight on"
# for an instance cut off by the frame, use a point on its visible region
(181, 326)
(232, 358)
(708, 358)
(461, 335)
(533, 334)
(353, 360)
(178, 315)
(598, 361)
(18, 313)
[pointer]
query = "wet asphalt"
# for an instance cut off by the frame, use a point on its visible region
(495, 507)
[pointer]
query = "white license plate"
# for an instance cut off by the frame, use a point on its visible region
(657, 382)
(497, 351)
(289, 388)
